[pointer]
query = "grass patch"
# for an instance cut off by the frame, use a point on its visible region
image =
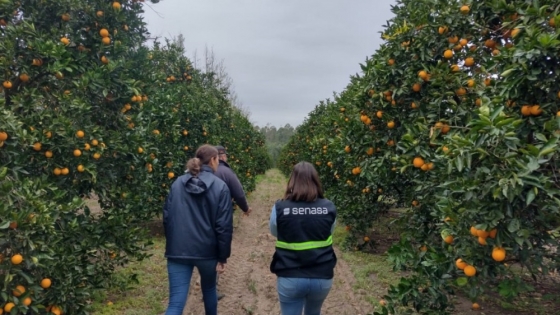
(142, 298)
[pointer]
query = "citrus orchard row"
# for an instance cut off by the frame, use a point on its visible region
(86, 111)
(454, 120)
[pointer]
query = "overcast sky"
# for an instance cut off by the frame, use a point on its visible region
(284, 56)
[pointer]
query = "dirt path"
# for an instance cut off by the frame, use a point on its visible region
(249, 286)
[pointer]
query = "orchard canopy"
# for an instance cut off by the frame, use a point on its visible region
(454, 120)
(88, 109)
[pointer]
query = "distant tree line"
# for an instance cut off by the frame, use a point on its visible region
(276, 139)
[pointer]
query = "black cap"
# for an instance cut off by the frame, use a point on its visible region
(221, 150)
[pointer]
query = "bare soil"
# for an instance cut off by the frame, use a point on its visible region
(248, 284)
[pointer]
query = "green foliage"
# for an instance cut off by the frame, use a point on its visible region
(79, 125)
(487, 161)
(276, 139)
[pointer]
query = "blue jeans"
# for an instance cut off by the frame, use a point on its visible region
(180, 272)
(295, 294)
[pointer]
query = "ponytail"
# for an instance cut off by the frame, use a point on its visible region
(193, 166)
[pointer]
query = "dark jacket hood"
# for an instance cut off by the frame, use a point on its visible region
(201, 183)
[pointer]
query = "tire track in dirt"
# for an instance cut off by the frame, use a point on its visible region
(248, 284)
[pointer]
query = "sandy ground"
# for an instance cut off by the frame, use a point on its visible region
(248, 284)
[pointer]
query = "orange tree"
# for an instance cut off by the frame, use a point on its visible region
(462, 101)
(81, 102)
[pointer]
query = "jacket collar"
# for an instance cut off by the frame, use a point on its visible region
(225, 163)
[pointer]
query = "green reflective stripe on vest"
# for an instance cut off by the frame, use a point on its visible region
(305, 245)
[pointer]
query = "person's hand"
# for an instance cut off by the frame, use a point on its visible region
(221, 267)
(247, 212)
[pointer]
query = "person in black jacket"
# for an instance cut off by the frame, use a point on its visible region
(304, 260)
(228, 176)
(198, 223)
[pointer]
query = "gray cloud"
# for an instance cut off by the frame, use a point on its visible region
(284, 56)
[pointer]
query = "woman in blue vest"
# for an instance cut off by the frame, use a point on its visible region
(304, 261)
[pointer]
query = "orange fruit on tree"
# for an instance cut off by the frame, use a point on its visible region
(37, 146)
(94, 142)
(413, 105)
(495, 52)
(430, 166)
(80, 168)
(391, 125)
(99, 13)
(482, 233)
(498, 254)
(445, 129)
(470, 83)
(442, 30)
(448, 239)
(19, 290)
(418, 162)
(104, 60)
(465, 9)
(463, 42)
(80, 134)
(140, 150)
(7, 85)
(448, 54)
(8, 307)
(97, 155)
(16, 259)
(379, 114)
(422, 74)
(461, 91)
(552, 22)
(106, 40)
(416, 87)
(366, 239)
(415, 203)
(64, 171)
(65, 41)
(370, 151)
(390, 143)
(482, 240)
(57, 171)
(515, 32)
(391, 62)
(455, 68)
(24, 77)
(475, 306)
(347, 149)
(478, 102)
(116, 5)
(469, 271)
(77, 153)
(170, 175)
(3, 136)
(104, 32)
(474, 231)
(65, 17)
(536, 110)
(453, 39)
(460, 264)
(493, 233)
(425, 167)
(469, 62)
(526, 110)
(27, 301)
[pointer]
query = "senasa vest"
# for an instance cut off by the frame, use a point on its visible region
(304, 243)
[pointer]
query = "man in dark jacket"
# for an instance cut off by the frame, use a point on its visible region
(225, 173)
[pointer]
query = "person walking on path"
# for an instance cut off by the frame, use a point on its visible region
(198, 224)
(303, 223)
(228, 176)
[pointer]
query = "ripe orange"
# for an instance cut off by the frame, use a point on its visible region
(26, 301)
(413, 105)
(475, 306)
(65, 41)
(469, 62)
(453, 39)
(24, 77)
(3, 136)
(106, 40)
(370, 151)
(422, 74)
(498, 254)
(57, 171)
(445, 129)
(65, 17)
(97, 155)
(99, 13)
(418, 162)
(448, 239)
(379, 114)
(80, 168)
(424, 248)
(7, 85)
(493, 233)
(80, 134)
(552, 22)
(389, 143)
(455, 68)
(19, 290)
(482, 240)
(366, 239)
(416, 87)
(515, 32)
(461, 91)
(64, 171)
(170, 175)
(460, 264)
(470, 83)
(391, 62)
(536, 110)
(465, 9)
(445, 149)
(104, 60)
(37, 146)
(415, 203)
(140, 150)
(448, 54)
(470, 271)
(442, 30)
(391, 125)
(495, 52)
(463, 42)
(482, 233)
(8, 307)
(347, 149)
(13, 225)
(16, 259)
(77, 153)
(104, 32)
(94, 142)
(526, 110)
(474, 231)
(116, 5)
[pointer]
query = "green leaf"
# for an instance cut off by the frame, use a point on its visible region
(530, 197)
(513, 225)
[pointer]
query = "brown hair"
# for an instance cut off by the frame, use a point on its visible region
(203, 155)
(304, 183)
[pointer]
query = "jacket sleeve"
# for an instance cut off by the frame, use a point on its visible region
(166, 206)
(272, 222)
(236, 190)
(224, 225)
